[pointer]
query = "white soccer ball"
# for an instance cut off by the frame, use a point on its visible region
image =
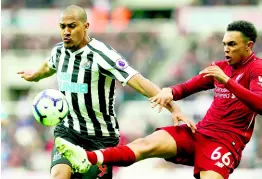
(50, 107)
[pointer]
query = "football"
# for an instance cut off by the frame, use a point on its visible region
(50, 107)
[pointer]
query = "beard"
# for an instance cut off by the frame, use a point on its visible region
(71, 47)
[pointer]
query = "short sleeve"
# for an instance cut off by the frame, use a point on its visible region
(112, 64)
(54, 57)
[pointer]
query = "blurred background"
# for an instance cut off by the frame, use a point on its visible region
(168, 41)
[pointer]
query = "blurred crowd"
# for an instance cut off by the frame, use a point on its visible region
(27, 144)
(47, 3)
(137, 47)
(108, 3)
(225, 2)
(200, 53)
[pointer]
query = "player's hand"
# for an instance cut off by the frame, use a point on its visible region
(216, 72)
(178, 116)
(28, 75)
(163, 98)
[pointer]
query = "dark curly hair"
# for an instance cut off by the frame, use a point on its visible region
(247, 29)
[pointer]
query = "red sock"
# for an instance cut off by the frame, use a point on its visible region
(116, 156)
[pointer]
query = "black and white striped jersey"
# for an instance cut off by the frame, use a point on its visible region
(87, 79)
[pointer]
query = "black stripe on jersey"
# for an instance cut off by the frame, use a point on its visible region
(105, 72)
(64, 69)
(66, 61)
(108, 46)
(111, 48)
(74, 96)
(88, 99)
(109, 61)
(102, 104)
(111, 98)
(58, 54)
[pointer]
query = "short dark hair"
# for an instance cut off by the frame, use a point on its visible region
(247, 29)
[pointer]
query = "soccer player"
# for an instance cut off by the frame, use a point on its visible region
(86, 72)
(215, 148)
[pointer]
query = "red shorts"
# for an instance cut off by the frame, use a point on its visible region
(201, 152)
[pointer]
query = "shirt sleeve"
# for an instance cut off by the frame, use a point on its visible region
(194, 85)
(252, 97)
(112, 64)
(53, 59)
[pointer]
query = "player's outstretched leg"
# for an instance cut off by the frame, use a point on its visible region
(74, 153)
(159, 144)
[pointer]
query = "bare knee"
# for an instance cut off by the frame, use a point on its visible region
(210, 175)
(61, 171)
(158, 144)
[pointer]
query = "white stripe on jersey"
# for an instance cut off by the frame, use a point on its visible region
(60, 66)
(96, 102)
(81, 98)
(113, 56)
(106, 65)
(69, 96)
(102, 64)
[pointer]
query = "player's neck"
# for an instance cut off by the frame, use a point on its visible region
(245, 59)
(82, 44)
(85, 42)
(249, 53)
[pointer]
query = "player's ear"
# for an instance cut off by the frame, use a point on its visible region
(249, 45)
(86, 25)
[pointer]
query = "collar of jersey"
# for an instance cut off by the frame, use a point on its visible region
(81, 49)
(246, 61)
(77, 51)
(249, 58)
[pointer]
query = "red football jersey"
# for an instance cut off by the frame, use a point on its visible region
(230, 118)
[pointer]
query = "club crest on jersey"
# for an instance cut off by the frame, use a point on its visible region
(121, 64)
(86, 64)
(239, 77)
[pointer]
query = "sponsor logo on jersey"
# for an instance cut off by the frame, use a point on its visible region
(121, 64)
(221, 92)
(65, 84)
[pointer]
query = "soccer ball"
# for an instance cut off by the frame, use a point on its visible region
(50, 107)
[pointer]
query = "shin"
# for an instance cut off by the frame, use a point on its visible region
(159, 144)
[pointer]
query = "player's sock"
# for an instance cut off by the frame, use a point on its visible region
(116, 156)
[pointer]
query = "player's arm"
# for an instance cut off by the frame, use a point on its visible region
(192, 86)
(252, 97)
(115, 66)
(112, 64)
(43, 72)
(149, 89)
(180, 91)
(143, 85)
(48, 68)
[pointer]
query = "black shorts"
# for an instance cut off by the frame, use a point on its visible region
(87, 142)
